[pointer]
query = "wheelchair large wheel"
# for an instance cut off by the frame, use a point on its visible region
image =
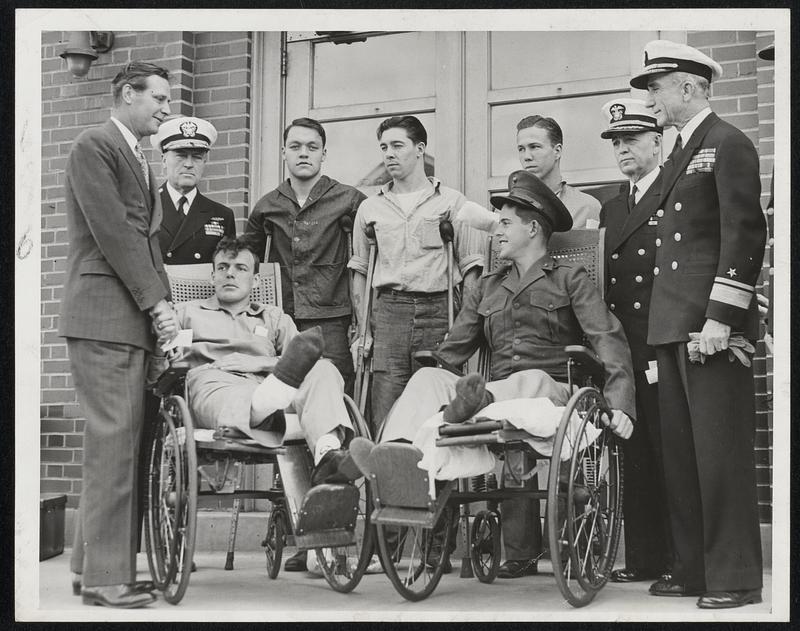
(161, 493)
(414, 557)
(343, 566)
(275, 540)
(584, 499)
(484, 549)
(179, 461)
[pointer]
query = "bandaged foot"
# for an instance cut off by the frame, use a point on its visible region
(278, 390)
(471, 396)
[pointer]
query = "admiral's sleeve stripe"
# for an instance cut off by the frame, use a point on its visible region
(731, 296)
(722, 280)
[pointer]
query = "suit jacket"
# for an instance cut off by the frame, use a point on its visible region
(630, 255)
(712, 236)
(192, 238)
(114, 270)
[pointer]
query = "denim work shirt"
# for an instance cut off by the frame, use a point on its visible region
(411, 254)
(526, 323)
(309, 245)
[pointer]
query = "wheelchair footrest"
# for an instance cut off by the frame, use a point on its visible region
(407, 516)
(328, 516)
(398, 481)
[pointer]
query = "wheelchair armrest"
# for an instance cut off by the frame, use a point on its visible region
(588, 361)
(170, 379)
(431, 359)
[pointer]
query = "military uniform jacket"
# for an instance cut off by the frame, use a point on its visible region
(630, 254)
(527, 322)
(712, 236)
(114, 270)
(192, 238)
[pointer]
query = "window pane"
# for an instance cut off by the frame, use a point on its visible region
(353, 156)
(557, 57)
(384, 68)
(586, 157)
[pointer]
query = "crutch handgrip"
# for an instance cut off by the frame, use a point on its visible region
(446, 230)
(369, 230)
(268, 244)
(346, 224)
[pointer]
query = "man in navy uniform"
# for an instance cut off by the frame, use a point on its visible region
(631, 221)
(712, 233)
(193, 224)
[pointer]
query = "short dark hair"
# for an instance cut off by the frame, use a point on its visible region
(552, 128)
(310, 123)
(414, 129)
(233, 246)
(135, 74)
(527, 215)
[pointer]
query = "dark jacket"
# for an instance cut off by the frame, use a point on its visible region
(114, 269)
(192, 238)
(527, 322)
(712, 236)
(310, 246)
(630, 255)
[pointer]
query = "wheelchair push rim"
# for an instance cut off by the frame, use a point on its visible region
(178, 499)
(584, 500)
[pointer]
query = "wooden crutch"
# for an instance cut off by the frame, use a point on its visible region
(364, 357)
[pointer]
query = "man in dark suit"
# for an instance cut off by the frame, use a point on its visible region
(115, 293)
(193, 224)
(703, 307)
(631, 221)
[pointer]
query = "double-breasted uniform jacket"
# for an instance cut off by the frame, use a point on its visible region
(527, 322)
(712, 233)
(114, 268)
(192, 238)
(630, 253)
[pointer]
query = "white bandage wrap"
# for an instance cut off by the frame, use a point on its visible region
(270, 395)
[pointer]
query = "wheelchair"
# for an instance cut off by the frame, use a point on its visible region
(185, 464)
(415, 516)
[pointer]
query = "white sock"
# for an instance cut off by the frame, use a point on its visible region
(270, 395)
(325, 443)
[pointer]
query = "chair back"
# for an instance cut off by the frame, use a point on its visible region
(193, 282)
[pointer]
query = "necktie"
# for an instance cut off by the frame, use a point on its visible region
(676, 147)
(632, 198)
(181, 205)
(143, 164)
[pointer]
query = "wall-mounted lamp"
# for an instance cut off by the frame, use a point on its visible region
(83, 47)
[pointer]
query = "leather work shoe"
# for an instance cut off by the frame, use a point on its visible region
(335, 467)
(726, 600)
(296, 562)
(632, 575)
(140, 587)
(666, 586)
(517, 568)
(117, 596)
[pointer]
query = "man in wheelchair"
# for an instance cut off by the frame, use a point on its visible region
(247, 361)
(526, 312)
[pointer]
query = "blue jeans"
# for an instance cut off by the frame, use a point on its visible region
(402, 324)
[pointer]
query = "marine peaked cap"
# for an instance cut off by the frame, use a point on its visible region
(528, 191)
(661, 56)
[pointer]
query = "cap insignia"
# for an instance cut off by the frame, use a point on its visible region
(188, 129)
(617, 111)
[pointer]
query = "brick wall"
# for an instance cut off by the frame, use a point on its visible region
(211, 78)
(744, 97)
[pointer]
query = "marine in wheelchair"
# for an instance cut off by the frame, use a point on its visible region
(533, 315)
(244, 366)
